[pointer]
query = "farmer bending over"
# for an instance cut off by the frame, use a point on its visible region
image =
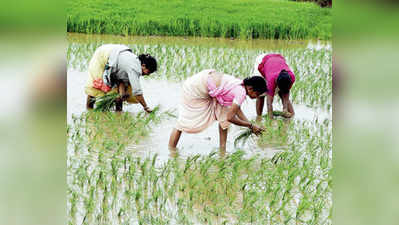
(279, 78)
(210, 96)
(114, 68)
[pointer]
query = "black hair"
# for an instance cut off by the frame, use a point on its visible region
(149, 61)
(257, 83)
(284, 81)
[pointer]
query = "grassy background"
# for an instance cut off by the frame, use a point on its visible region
(275, 19)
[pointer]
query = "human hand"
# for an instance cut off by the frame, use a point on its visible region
(125, 96)
(257, 129)
(147, 109)
(287, 114)
(119, 99)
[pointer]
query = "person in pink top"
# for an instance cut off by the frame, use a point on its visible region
(279, 78)
(209, 96)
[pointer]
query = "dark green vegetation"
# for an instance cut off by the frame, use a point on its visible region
(275, 133)
(246, 19)
(322, 3)
(106, 102)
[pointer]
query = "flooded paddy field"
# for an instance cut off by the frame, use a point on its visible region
(120, 170)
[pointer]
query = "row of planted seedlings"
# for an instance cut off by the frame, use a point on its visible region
(198, 28)
(306, 21)
(95, 139)
(107, 185)
(312, 67)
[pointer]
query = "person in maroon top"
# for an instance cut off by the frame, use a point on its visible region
(279, 78)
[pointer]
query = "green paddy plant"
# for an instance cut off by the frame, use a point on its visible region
(235, 188)
(311, 66)
(106, 102)
(243, 136)
(278, 113)
(275, 132)
(110, 182)
(225, 18)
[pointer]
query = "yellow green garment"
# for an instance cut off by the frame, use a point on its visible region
(96, 70)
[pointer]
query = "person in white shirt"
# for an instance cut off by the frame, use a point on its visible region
(115, 68)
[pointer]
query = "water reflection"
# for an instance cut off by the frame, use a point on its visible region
(180, 58)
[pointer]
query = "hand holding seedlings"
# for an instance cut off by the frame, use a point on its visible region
(256, 129)
(125, 80)
(286, 114)
(125, 97)
(147, 109)
(280, 78)
(224, 95)
(106, 102)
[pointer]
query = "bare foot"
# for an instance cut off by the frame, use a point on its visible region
(222, 151)
(173, 152)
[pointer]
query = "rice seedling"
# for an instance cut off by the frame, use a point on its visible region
(108, 184)
(106, 102)
(242, 137)
(278, 113)
(275, 132)
(224, 18)
(312, 67)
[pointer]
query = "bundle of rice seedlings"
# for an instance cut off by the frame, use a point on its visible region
(171, 114)
(153, 116)
(243, 137)
(275, 113)
(106, 102)
(278, 113)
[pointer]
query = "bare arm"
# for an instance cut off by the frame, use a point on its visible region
(122, 91)
(141, 100)
(233, 117)
(241, 115)
(270, 106)
(134, 79)
(287, 106)
(260, 102)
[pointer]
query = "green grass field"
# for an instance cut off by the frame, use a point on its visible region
(245, 19)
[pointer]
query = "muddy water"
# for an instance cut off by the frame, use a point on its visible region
(167, 94)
